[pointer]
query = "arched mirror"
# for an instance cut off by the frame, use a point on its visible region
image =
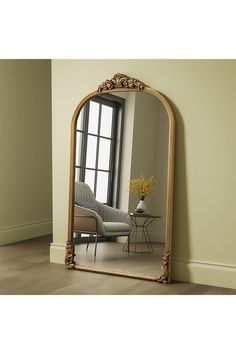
(121, 182)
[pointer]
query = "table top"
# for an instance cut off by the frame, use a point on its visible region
(144, 215)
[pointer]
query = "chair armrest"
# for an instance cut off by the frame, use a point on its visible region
(112, 214)
(87, 221)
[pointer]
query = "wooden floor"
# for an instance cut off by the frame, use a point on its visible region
(25, 269)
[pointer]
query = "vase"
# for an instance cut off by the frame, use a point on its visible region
(141, 207)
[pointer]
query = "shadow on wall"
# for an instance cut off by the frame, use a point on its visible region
(181, 242)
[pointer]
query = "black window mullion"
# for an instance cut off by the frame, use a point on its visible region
(84, 142)
(97, 152)
(111, 162)
(93, 169)
(96, 135)
(109, 187)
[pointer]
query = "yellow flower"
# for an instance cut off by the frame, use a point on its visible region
(142, 187)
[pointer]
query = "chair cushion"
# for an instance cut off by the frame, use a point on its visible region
(92, 206)
(116, 228)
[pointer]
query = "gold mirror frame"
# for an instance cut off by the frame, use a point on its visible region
(124, 83)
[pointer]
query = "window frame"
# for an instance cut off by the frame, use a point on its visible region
(118, 105)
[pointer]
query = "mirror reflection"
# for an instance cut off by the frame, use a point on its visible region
(121, 138)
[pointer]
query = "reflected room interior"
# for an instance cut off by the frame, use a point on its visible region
(121, 136)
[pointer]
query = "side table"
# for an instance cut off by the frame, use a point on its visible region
(140, 221)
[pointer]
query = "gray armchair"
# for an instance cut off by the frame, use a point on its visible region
(97, 219)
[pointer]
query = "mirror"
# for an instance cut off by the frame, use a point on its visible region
(123, 132)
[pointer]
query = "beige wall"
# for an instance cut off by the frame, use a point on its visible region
(126, 157)
(203, 96)
(25, 145)
(149, 157)
(144, 143)
(144, 152)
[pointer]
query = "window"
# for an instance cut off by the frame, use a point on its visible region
(98, 146)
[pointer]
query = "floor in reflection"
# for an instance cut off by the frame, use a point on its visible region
(110, 255)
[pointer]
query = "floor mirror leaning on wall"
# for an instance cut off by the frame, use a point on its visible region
(121, 182)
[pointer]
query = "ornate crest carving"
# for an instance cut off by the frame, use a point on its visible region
(69, 258)
(121, 81)
(163, 278)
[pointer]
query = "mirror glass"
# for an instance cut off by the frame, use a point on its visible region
(120, 137)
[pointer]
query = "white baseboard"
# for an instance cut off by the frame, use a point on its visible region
(207, 273)
(26, 231)
(57, 253)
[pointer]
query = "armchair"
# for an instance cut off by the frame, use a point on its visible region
(97, 219)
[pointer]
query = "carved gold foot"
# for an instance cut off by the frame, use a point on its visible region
(69, 258)
(163, 278)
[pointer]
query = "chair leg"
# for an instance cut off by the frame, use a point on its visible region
(128, 242)
(96, 242)
(88, 243)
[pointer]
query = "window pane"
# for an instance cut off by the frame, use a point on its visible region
(106, 121)
(91, 151)
(102, 186)
(78, 148)
(93, 117)
(104, 154)
(77, 174)
(80, 120)
(89, 178)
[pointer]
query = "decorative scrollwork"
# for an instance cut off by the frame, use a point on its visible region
(163, 278)
(69, 259)
(121, 81)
